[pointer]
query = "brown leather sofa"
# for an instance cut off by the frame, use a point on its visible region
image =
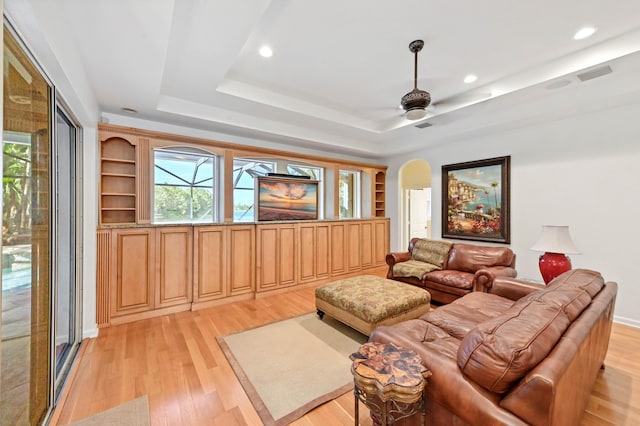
(512, 353)
(449, 270)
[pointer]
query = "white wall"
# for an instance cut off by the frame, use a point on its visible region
(582, 171)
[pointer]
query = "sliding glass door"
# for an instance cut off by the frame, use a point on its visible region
(40, 330)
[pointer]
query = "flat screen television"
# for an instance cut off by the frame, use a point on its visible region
(281, 198)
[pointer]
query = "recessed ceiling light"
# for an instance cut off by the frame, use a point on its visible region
(584, 33)
(470, 78)
(266, 52)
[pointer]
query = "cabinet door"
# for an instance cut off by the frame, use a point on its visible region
(210, 265)
(276, 256)
(366, 244)
(380, 241)
(287, 256)
(241, 277)
(132, 283)
(323, 246)
(267, 262)
(307, 243)
(174, 248)
(353, 246)
(338, 248)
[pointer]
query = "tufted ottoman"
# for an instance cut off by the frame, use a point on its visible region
(366, 302)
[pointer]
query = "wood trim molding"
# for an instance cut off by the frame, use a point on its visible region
(242, 150)
(104, 268)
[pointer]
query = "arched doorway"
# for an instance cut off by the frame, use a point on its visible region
(415, 186)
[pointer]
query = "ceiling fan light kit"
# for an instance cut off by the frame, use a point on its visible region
(416, 101)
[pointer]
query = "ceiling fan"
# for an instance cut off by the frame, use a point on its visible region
(415, 102)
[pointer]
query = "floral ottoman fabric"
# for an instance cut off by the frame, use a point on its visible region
(373, 298)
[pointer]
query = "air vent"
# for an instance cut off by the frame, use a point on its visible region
(423, 125)
(594, 73)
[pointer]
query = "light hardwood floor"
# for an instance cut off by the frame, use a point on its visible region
(176, 361)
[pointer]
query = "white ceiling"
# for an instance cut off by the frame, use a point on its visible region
(339, 68)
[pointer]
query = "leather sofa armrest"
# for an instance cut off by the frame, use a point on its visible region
(483, 278)
(393, 258)
(508, 287)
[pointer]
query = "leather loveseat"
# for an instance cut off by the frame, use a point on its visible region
(449, 270)
(513, 353)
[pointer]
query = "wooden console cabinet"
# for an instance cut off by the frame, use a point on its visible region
(150, 271)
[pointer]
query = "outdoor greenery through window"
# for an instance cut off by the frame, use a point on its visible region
(244, 173)
(16, 186)
(349, 194)
(184, 185)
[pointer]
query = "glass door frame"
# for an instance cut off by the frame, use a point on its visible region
(58, 380)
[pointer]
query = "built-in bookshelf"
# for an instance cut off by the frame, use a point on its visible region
(117, 181)
(379, 194)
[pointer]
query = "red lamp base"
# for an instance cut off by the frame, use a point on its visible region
(552, 265)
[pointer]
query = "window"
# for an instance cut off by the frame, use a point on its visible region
(315, 173)
(244, 173)
(348, 194)
(184, 185)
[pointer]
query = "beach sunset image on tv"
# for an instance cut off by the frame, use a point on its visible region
(287, 199)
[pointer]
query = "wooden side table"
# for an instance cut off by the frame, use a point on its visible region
(389, 380)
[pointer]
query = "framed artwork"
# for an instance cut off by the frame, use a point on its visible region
(286, 199)
(475, 200)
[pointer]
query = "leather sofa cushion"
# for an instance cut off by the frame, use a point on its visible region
(437, 340)
(500, 351)
(572, 290)
(431, 251)
(470, 258)
(451, 278)
(462, 315)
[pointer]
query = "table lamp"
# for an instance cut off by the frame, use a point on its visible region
(555, 242)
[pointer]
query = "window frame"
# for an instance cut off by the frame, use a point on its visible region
(188, 150)
(356, 191)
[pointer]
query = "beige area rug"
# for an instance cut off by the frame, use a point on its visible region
(290, 367)
(132, 413)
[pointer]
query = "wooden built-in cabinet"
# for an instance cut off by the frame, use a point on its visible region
(149, 271)
(143, 272)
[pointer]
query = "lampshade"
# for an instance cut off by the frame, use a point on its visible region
(555, 239)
